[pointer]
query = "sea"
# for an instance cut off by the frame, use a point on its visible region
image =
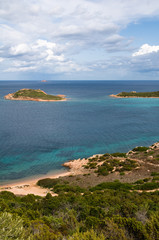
(36, 138)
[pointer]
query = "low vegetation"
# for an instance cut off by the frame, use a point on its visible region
(82, 210)
(111, 210)
(109, 163)
(138, 94)
(140, 149)
(33, 93)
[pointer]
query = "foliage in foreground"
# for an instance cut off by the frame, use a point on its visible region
(11, 227)
(108, 211)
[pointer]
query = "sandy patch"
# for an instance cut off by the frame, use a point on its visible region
(28, 186)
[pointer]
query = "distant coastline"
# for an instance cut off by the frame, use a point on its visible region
(134, 94)
(37, 95)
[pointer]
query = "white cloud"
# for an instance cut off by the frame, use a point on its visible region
(20, 69)
(41, 55)
(10, 35)
(49, 35)
(41, 49)
(77, 19)
(19, 49)
(146, 49)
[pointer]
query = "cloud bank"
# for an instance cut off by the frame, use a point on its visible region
(59, 37)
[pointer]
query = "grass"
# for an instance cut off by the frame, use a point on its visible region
(33, 93)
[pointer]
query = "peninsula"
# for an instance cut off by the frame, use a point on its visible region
(106, 196)
(134, 94)
(34, 95)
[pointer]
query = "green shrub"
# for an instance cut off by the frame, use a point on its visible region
(127, 165)
(140, 149)
(116, 185)
(88, 235)
(7, 195)
(148, 186)
(47, 182)
(139, 182)
(67, 188)
(11, 227)
(155, 174)
(122, 173)
(118, 154)
(102, 170)
(134, 228)
(156, 178)
(92, 165)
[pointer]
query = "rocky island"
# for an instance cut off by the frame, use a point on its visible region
(34, 95)
(134, 94)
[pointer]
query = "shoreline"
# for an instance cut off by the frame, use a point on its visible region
(77, 167)
(28, 185)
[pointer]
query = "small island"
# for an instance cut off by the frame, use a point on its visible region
(134, 94)
(34, 95)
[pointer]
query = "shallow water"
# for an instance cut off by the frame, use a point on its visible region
(37, 137)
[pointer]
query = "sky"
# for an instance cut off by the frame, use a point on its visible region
(79, 40)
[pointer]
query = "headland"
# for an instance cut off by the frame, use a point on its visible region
(139, 167)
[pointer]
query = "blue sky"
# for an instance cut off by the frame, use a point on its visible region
(79, 39)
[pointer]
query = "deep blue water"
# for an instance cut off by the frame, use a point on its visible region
(37, 137)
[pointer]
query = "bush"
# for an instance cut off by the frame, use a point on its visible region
(12, 227)
(155, 174)
(67, 188)
(139, 182)
(88, 235)
(140, 149)
(148, 186)
(7, 195)
(122, 173)
(102, 170)
(118, 154)
(47, 182)
(116, 185)
(156, 178)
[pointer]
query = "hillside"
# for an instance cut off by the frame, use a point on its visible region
(92, 204)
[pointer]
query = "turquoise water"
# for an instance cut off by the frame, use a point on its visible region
(37, 137)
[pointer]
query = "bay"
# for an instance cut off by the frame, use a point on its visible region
(37, 137)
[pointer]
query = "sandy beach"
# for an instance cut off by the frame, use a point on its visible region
(76, 167)
(28, 186)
